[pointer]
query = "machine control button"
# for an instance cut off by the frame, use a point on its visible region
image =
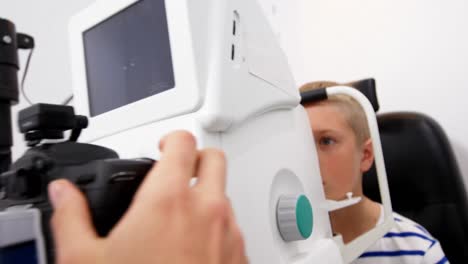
(123, 176)
(294, 217)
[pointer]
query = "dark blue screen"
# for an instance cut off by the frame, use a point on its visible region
(24, 253)
(128, 57)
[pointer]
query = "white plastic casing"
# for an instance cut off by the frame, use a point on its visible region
(184, 98)
(246, 104)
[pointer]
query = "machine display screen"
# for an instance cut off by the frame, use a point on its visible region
(128, 57)
(24, 253)
(21, 239)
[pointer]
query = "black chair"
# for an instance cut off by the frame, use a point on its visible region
(424, 179)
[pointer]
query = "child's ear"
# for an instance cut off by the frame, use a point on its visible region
(367, 156)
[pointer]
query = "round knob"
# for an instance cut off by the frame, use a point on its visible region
(295, 218)
(7, 39)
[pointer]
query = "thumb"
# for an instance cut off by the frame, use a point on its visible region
(71, 221)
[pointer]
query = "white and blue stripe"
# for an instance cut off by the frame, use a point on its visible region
(406, 243)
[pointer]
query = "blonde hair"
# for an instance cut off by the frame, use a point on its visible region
(351, 109)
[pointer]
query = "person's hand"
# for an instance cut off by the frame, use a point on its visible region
(167, 222)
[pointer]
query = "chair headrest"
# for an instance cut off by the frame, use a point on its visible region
(419, 161)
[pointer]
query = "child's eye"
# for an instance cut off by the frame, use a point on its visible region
(326, 141)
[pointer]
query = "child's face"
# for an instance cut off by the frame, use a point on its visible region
(340, 157)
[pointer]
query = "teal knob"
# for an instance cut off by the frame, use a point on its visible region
(294, 217)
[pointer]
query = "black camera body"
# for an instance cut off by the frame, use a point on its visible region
(108, 183)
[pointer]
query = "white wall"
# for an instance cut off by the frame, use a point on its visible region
(416, 50)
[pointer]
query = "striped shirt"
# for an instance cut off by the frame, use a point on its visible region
(406, 243)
